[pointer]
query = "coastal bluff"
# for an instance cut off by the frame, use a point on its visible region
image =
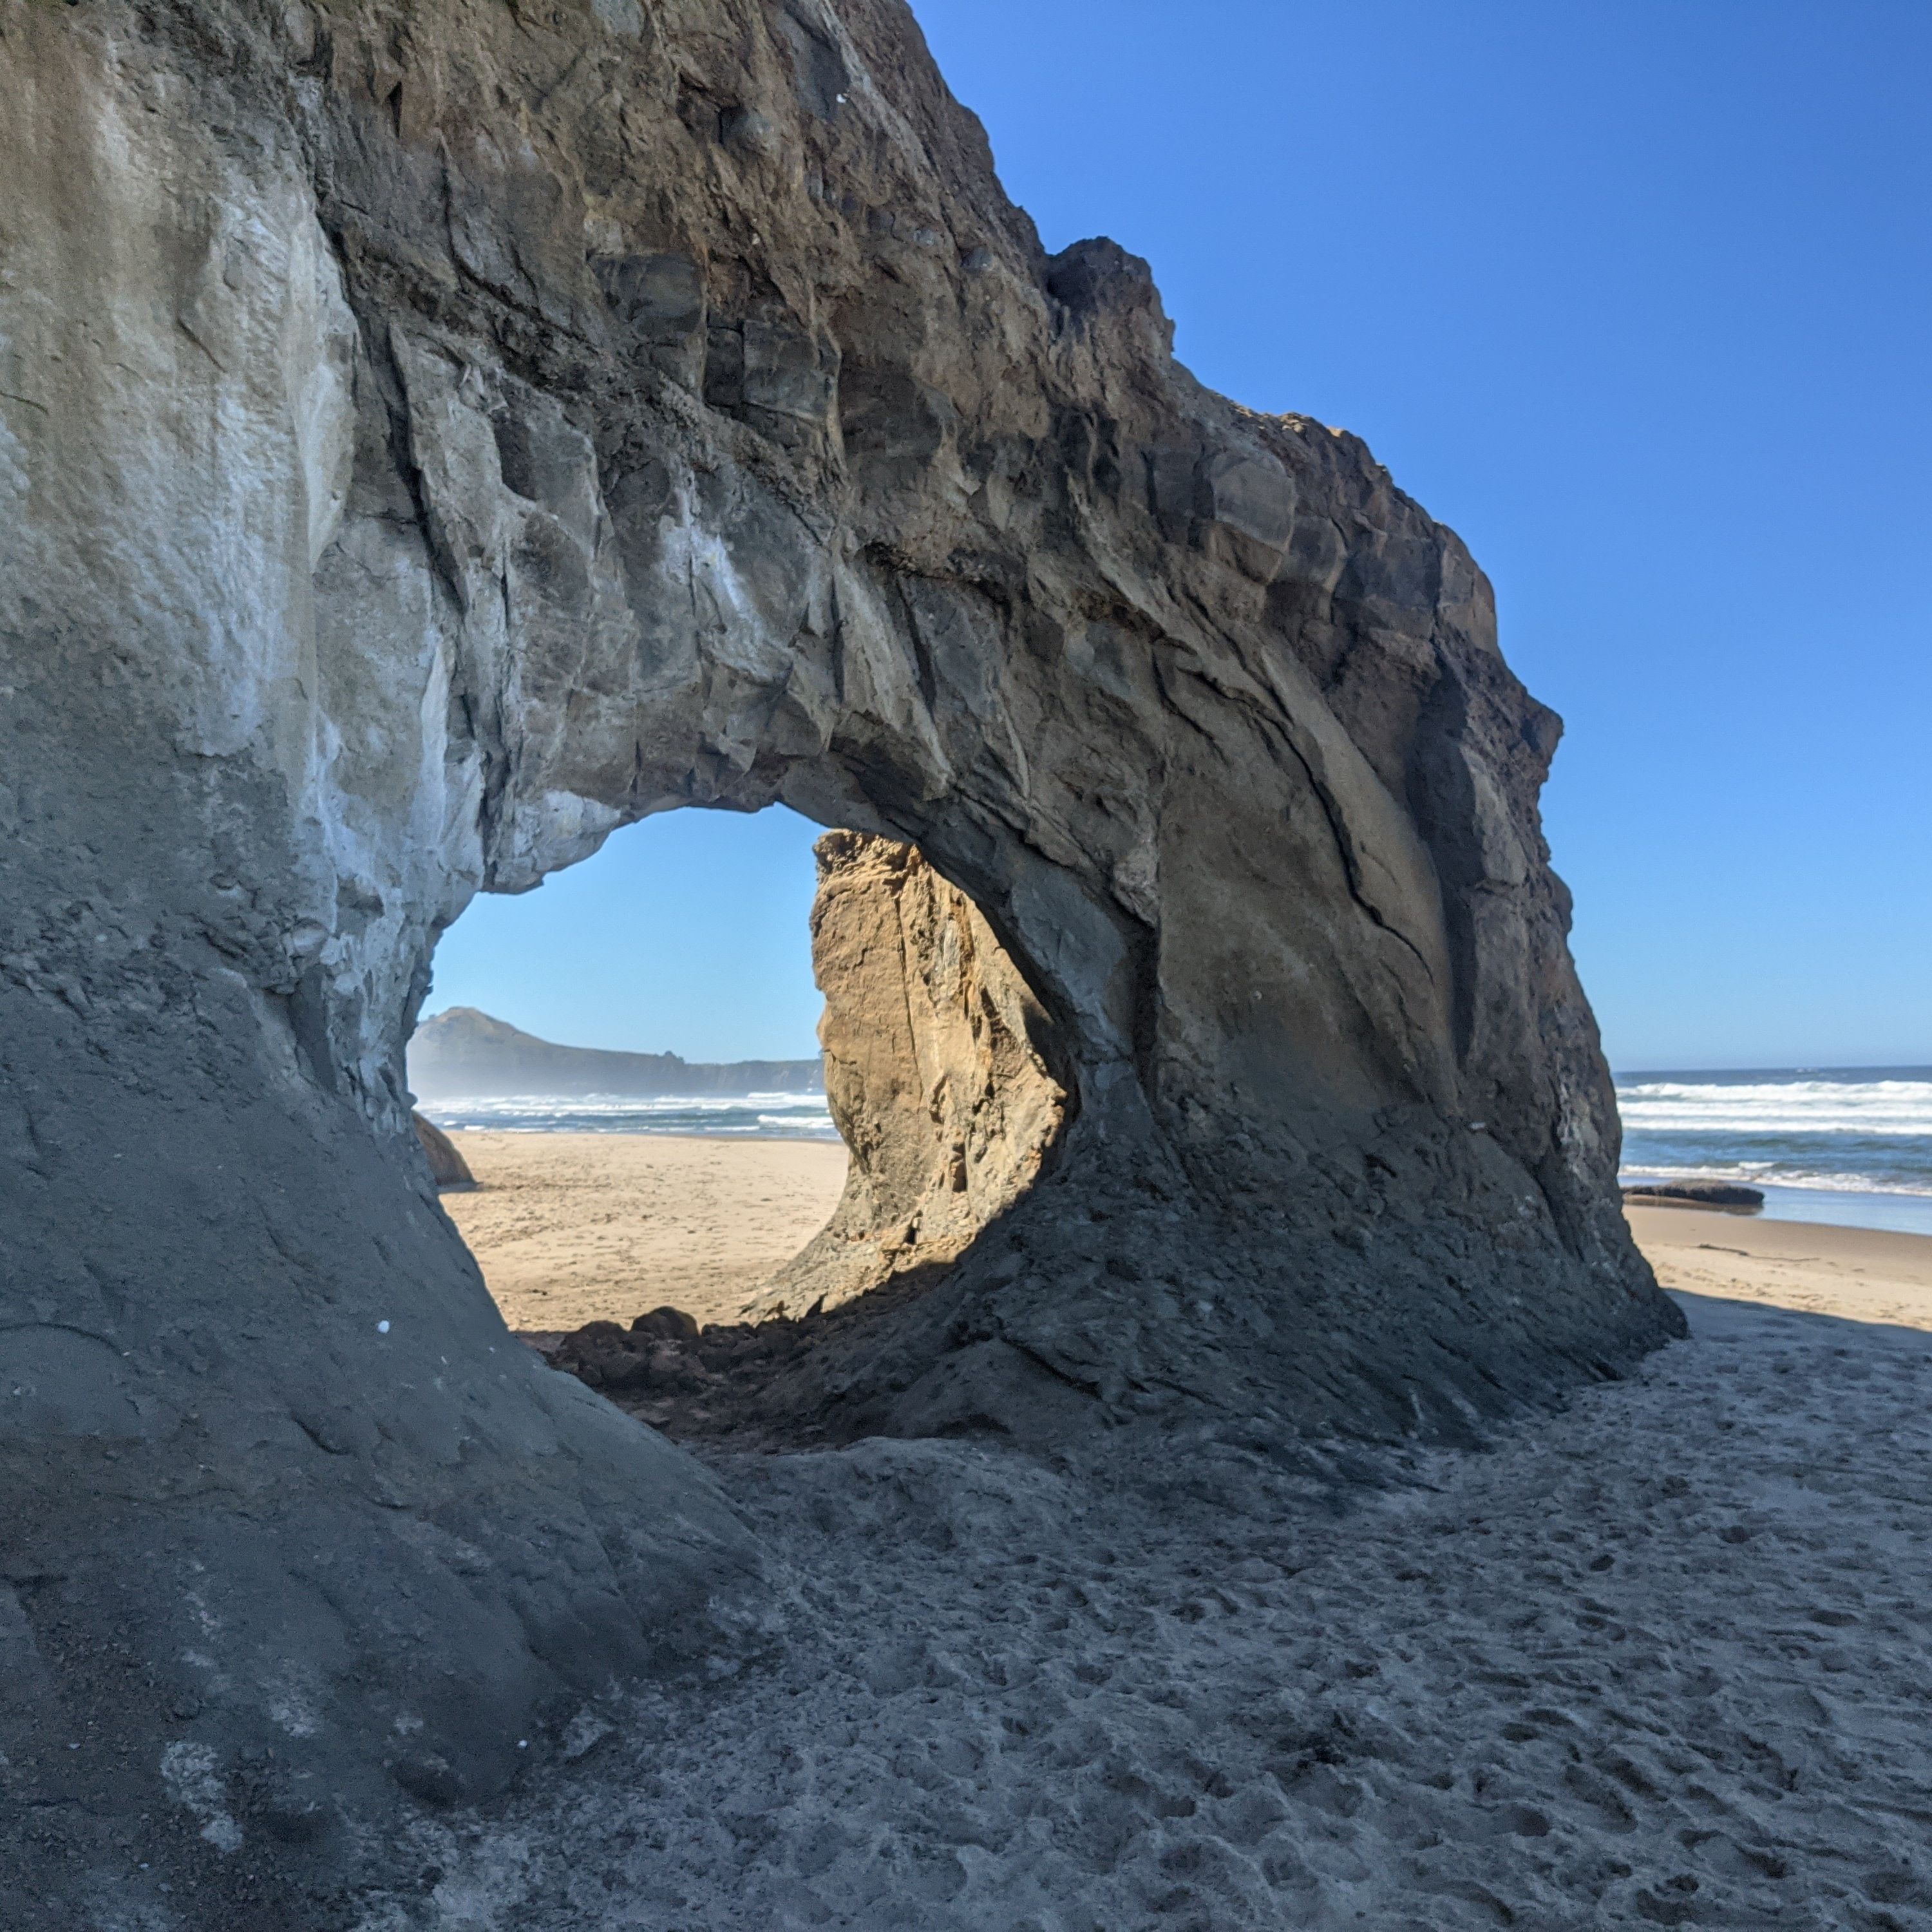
(931, 1073)
(461, 1053)
(433, 436)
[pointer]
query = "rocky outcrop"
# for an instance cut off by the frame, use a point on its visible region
(462, 1054)
(447, 1167)
(431, 436)
(931, 1071)
(1697, 1194)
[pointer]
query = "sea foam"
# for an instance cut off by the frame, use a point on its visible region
(753, 1116)
(1820, 1144)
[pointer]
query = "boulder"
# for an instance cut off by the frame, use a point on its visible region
(1697, 1193)
(629, 1362)
(432, 436)
(447, 1167)
(667, 1324)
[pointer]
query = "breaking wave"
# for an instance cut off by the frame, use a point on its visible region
(1865, 1133)
(1839, 1136)
(743, 1116)
(1805, 1106)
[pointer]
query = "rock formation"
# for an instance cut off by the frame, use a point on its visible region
(1697, 1194)
(930, 1072)
(462, 1054)
(447, 1167)
(432, 435)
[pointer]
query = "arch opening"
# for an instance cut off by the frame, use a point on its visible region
(637, 1214)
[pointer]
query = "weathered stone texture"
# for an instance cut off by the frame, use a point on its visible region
(431, 436)
(447, 1167)
(930, 1072)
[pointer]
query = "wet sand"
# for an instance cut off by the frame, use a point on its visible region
(576, 1228)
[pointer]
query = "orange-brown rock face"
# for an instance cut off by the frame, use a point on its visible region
(447, 1167)
(932, 1072)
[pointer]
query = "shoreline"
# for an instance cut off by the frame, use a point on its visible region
(1875, 1211)
(725, 1136)
(572, 1227)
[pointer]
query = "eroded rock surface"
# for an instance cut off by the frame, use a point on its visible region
(432, 436)
(1697, 1193)
(447, 1167)
(931, 1071)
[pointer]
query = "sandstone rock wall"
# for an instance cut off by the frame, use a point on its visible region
(447, 1167)
(932, 1072)
(432, 435)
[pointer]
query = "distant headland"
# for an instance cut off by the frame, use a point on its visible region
(462, 1053)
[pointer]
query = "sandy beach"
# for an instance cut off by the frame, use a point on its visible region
(1860, 1273)
(1655, 1657)
(576, 1228)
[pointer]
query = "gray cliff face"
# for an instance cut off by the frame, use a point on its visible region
(431, 436)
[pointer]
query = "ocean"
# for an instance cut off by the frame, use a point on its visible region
(1849, 1145)
(797, 1117)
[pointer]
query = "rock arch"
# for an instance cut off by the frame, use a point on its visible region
(434, 437)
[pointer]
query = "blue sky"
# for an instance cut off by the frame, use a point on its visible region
(687, 934)
(1638, 297)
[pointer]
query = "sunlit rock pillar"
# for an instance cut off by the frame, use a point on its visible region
(933, 1072)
